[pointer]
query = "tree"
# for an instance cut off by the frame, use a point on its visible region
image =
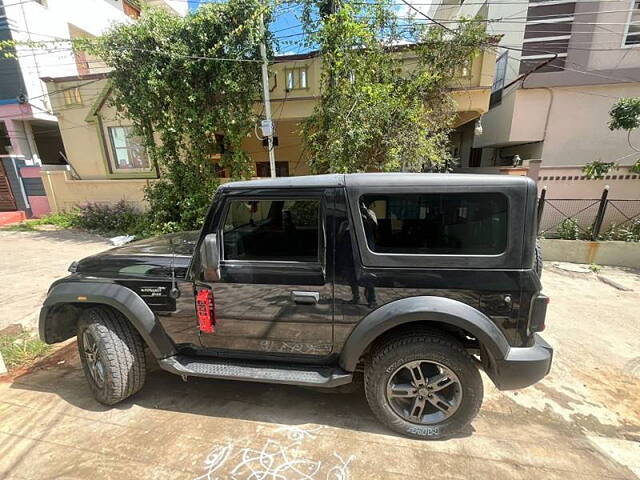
(189, 86)
(378, 110)
(625, 115)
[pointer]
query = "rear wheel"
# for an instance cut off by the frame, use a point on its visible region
(112, 355)
(423, 386)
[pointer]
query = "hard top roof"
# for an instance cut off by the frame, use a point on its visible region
(380, 179)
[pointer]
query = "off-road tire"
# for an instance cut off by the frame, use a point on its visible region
(121, 351)
(389, 355)
(537, 260)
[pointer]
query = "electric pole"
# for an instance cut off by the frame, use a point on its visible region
(267, 123)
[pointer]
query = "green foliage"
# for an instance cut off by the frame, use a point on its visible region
(118, 219)
(625, 114)
(597, 170)
(595, 268)
(635, 168)
(569, 229)
(187, 107)
(378, 112)
(21, 348)
(63, 219)
(628, 232)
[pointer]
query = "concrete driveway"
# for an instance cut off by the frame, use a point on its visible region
(582, 421)
(31, 261)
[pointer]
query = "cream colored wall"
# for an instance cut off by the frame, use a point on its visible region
(496, 123)
(577, 132)
(604, 55)
(566, 182)
(64, 193)
(85, 148)
(81, 140)
(289, 148)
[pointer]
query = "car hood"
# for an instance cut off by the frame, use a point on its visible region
(152, 257)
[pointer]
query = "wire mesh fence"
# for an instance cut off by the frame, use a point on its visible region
(560, 217)
(589, 219)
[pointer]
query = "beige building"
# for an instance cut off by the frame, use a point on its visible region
(561, 66)
(105, 165)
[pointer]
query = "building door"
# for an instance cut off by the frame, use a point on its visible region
(7, 202)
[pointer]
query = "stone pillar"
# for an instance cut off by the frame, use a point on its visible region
(534, 169)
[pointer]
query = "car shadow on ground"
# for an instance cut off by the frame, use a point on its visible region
(287, 405)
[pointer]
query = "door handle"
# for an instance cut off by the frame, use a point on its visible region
(305, 298)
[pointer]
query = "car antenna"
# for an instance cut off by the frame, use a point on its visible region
(175, 291)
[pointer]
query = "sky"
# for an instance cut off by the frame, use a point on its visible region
(287, 29)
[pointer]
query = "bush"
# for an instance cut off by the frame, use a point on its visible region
(629, 232)
(60, 219)
(118, 219)
(568, 229)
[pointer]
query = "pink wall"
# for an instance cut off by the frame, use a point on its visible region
(39, 204)
(569, 182)
(30, 172)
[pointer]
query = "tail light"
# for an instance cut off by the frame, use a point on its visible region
(538, 313)
(206, 310)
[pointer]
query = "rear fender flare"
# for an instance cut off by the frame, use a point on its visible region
(422, 309)
(123, 299)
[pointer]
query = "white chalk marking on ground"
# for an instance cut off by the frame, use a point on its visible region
(273, 461)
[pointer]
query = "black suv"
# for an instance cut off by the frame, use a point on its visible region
(416, 280)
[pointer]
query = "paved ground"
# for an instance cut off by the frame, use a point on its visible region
(582, 421)
(30, 261)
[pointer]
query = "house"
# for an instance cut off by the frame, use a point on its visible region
(560, 67)
(29, 131)
(106, 165)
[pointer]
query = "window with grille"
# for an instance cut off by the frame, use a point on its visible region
(632, 36)
(498, 82)
(72, 96)
(297, 78)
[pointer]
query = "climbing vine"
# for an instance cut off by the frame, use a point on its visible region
(384, 106)
(189, 85)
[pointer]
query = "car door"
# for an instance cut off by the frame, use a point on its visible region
(275, 293)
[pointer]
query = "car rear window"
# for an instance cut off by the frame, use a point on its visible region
(435, 223)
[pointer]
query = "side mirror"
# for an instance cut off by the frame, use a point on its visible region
(210, 258)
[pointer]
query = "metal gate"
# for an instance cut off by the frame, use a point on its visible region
(7, 202)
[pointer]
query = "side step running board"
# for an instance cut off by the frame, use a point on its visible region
(252, 371)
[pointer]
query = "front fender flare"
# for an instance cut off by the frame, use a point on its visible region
(424, 309)
(123, 299)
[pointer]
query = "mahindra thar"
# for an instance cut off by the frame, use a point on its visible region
(411, 281)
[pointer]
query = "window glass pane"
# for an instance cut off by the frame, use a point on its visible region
(290, 84)
(438, 224)
(285, 230)
(303, 78)
(119, 137)
(128, 151)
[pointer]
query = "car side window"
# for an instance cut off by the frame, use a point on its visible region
(272, 230)
(435, 224)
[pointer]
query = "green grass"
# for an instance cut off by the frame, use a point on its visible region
(20, 227)
(21, 348)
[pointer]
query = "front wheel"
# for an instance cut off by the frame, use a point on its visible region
(423, 386)
(112, 355)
